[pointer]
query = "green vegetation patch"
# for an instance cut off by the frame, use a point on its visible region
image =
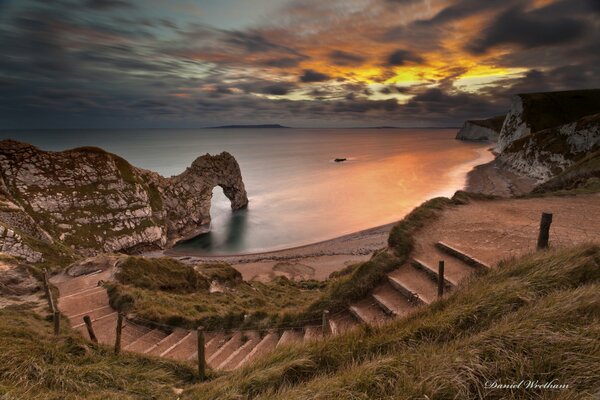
(165, 274)
(535, 318)
(166, 291)
(34, 364)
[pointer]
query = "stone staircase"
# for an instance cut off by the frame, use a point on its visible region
(409, 286)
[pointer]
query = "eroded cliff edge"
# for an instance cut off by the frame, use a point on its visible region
(90, 201)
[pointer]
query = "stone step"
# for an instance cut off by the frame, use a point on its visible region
(252, 340)
(131, 332)
(290, 336)
(105, 328)
(266, 345)
(391, 300)
(414, 284)
(77, 319)
(80, 304)
(83, 292)
(77, 284)
(455, 252)
(342, 323)
(225, 350)
(185, 348)
(433, 273)
(455, 269)
(312, 333)
(166, 343)
(146, 341)
(214, 342)
(368, 311)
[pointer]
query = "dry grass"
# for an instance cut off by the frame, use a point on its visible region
(34, 364)
(537, 318)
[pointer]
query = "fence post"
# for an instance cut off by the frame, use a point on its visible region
(118, 335)
(544, 235)
(441, 280)
(88, 324)
(56, 318)
(325, 322)
(201, 356)
(49, 293)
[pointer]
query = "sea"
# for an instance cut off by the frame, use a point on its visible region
(298, 193)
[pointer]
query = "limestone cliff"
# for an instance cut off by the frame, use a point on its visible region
(547, 153)
(534, 112)
(93, 201)
(481, 130)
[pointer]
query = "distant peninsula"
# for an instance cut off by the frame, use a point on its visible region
(264, 126)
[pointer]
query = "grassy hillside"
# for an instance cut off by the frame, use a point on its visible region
(34, 364)
(169, 292)
(536, 318)
(546, 110)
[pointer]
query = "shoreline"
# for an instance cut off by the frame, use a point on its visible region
(319, 259)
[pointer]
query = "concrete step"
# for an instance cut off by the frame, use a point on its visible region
(213, 343)
(225, 350)
(342, 323)
(160, 347)
(185, 348)
(131, 332)
(77, 284)
(414, 284)
(391, 300)
(77, 305)
(105, 328)
(290, 336)
(461, 255)
(146, 341)
(83, 292)
(252, 340)
(455, 269)
(433, 273)
(266, 345)
(76, 320)
(312, 333)
(368, 311)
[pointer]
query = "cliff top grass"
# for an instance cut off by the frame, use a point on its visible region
(494, 123)
(34, 364)
(534, 318)
(166, 291)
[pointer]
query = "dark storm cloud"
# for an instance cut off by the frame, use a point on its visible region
(401, 57)
(343, 58)
(107, 4)
(310, 75)
(529, 29)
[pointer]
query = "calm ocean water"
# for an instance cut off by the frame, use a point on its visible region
(298, 195)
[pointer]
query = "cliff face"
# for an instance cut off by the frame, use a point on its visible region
(545, 133)
(534, 112)
(481, 130)
(94, 201)
(544, 154)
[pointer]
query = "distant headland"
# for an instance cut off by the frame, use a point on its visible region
(263, 126)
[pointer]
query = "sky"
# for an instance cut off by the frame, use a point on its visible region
(304, 63)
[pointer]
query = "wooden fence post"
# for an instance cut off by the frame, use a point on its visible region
(118, 335)
(56, 317)
(325, 323)
(201, 356)
(49, 293)
(544, 235)
(441, 280)
(88, 324)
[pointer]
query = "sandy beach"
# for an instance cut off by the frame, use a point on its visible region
(319, 260)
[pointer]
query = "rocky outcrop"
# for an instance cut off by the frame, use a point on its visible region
(94, 201)
(544, 154)
(481, 130)
(534, 112)
(546, 133)
(12, 243)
